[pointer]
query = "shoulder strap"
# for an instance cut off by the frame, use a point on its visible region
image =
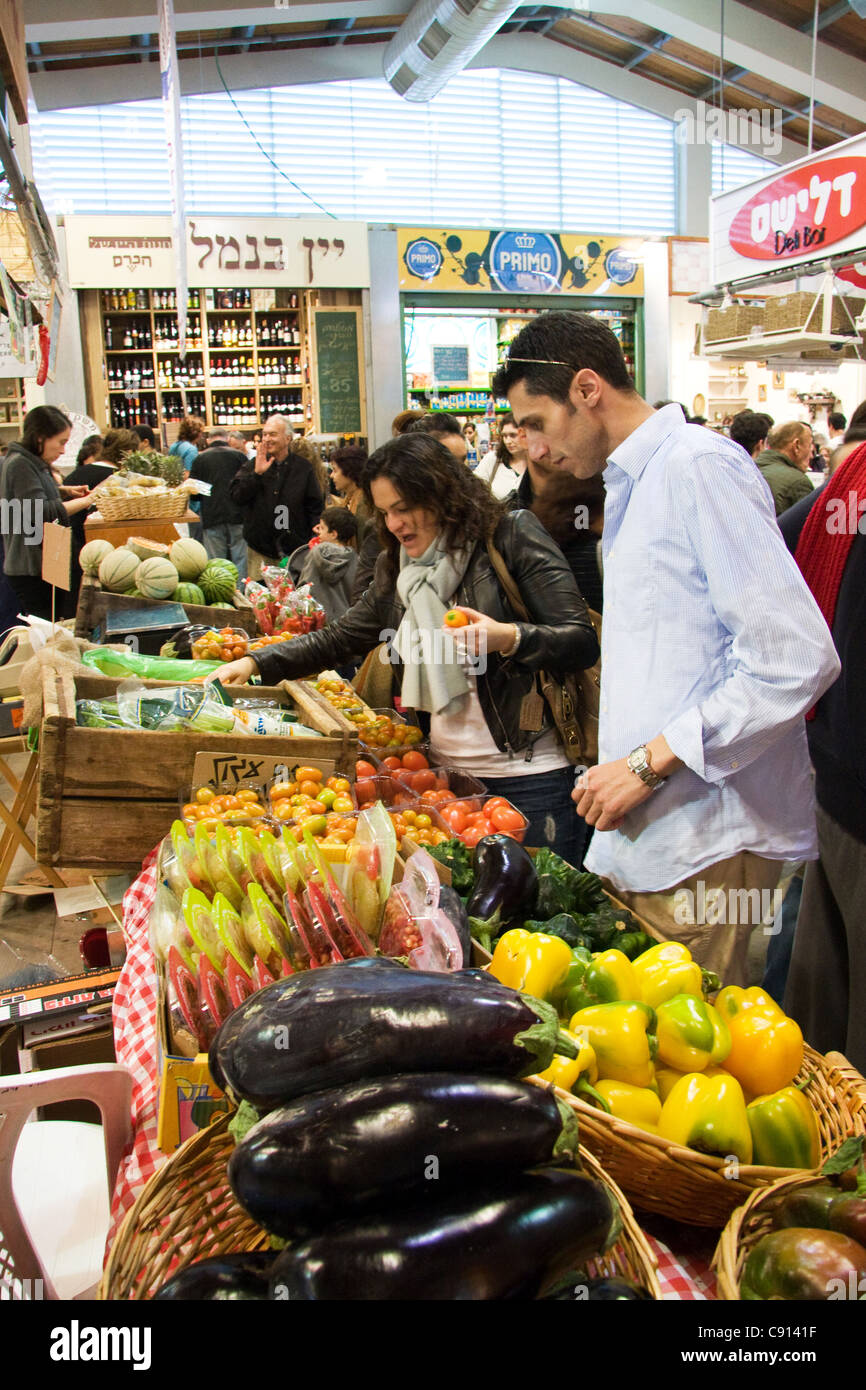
(512, 592)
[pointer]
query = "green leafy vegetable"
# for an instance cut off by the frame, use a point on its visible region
(846, 1156)
(243, 1120)
(458, 858)
(564, 889)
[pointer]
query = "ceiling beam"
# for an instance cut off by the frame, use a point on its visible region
(780, 54)
(101, 19)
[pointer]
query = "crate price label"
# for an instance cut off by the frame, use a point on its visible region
(230, 769)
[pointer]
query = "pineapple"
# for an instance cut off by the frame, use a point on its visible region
(167, 467)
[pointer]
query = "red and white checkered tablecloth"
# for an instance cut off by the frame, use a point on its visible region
(681, 1276)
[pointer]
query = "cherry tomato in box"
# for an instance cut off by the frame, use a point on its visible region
(415, 761)
(424, 781)
(493, 802)
(364, 769)
(507, 820)
(472, 834)
(392, 764)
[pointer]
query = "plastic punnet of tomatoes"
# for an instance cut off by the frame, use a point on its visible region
(388, 735)
(420, 823)
(244, 804)
(471, 818)
(309, 791)
(218, 644)
(333, 831)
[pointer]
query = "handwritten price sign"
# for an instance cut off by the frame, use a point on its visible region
(225, 770)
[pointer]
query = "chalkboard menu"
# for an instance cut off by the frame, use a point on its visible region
(451, 364)
(338, 371)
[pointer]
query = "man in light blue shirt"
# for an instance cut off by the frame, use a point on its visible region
(712, 649)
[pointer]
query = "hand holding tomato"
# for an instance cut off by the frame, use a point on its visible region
(478, 634)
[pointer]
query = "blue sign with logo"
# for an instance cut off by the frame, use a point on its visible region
(423, 258)
(621, 268)
(526, 262)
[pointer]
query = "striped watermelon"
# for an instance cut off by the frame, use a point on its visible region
(188, 593)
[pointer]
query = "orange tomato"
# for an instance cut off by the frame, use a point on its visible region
(455, 617)
(472, 834)
(415, 761)
(191, 810)
(424, 781)
(308, 774)
(204, 794)
(309, 788)
(494, 801)
(393, 764)
(364, 769)
(455, 818)
(338, 784)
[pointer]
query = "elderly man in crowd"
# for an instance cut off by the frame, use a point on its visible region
(278, 497)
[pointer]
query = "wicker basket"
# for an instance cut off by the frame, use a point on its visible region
(737, 321)
(746, 1227)
(187, 1212)
(695, 1188)
(154, 506)
(803, 312)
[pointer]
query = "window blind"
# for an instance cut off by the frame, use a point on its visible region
(495, 148)
(732, 167)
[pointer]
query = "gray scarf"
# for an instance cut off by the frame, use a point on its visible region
(432, 680)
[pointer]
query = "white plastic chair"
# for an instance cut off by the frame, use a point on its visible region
(56, 1177)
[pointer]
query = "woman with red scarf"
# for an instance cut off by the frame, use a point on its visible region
(827, 979)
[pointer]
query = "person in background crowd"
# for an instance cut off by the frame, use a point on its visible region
(329, 567)
(827, 977)
(470, 434)
(306, 449)
(713, 650)
(31, 497)
(505, 466)
(278, 497)
(91, 469)
(146, 436)
(347, 470)
(116, 444)
(191, 437)
(236, 440)
(90, 452)
(836, 426)
(445, 428)
(660, 405)
(434, 518)
(401, 422)
(749, 430)
(785, 461)
(820, 456)
(571, 510)
(221, 517)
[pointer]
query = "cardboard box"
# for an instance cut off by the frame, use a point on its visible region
(11, 717)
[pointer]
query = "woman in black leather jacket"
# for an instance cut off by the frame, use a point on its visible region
(434, 517)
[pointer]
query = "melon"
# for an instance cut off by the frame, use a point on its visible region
(218, 581)
(222, 605)
(145, 549)
(188, 593)
(156, 578)
(118, 570)
(93, 554)
(133, 593)
(189, 557)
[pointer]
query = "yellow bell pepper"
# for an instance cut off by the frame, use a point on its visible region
(609, 976)
(637, 1104)
(576, 1074)
(766, 1050)
(530, 962)
(708, 1113)
(667, 1077)
(622, 1037)
(733, 999)
(691, 1035)
(666, 970)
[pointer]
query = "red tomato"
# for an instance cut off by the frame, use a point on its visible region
(364, 769)
(365, 790)
(494, 801)
(472, 834)
(423, 781)
(456, 819)
(415, 761)
(403, 775)
(506, 819)
(393, 764)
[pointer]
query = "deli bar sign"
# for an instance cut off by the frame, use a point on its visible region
(805, 212)
(220, 252)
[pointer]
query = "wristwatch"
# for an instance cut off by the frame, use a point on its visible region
(640, 763)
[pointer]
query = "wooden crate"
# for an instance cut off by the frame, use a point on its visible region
(94, 602)
(106, 797)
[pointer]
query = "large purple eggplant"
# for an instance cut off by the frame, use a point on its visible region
(509, 1237)
(346, 1150)
(367, 1018)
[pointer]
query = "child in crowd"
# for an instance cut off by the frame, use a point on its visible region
(330, 565)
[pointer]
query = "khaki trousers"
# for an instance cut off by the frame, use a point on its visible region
(714, 912)
(255, 563)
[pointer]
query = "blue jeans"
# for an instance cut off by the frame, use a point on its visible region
(545, 800)
(227, 543)
(782, 944)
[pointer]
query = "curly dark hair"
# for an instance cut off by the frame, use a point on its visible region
(426, 474)
(350, 459)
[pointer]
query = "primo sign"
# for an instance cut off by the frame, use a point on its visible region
(526, 262)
